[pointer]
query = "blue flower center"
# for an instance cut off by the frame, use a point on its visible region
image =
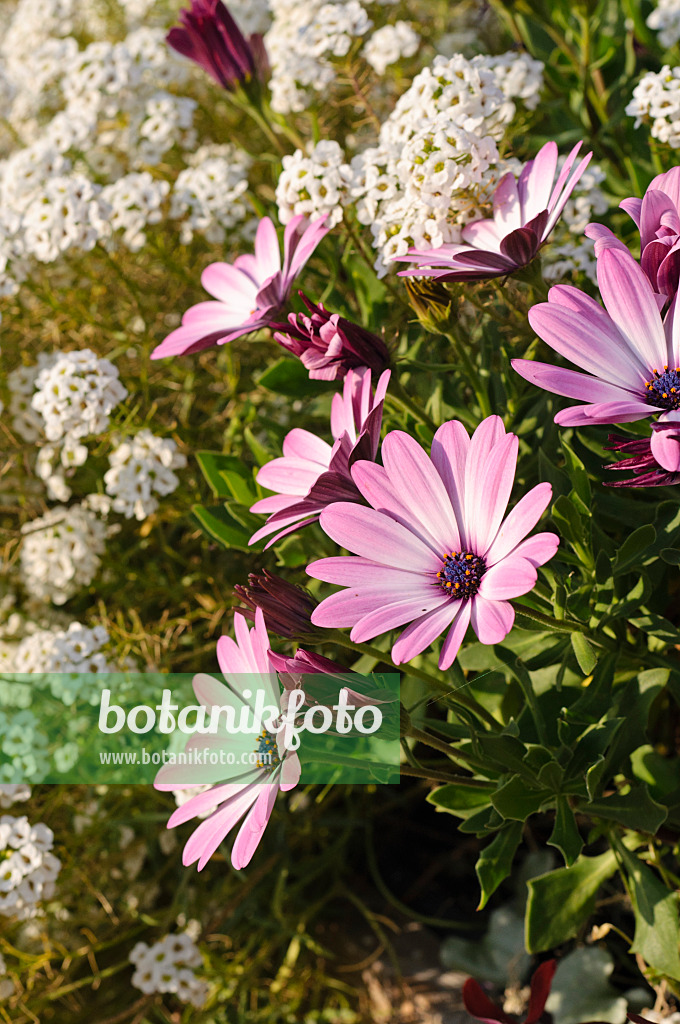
(461, 574)
(664, 388)
(267, 751)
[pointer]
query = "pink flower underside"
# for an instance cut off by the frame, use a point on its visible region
(420, 511)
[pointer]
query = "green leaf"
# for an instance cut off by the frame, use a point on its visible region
(670, 555)
(585, 655)
(603, 567)
(577, 475)
(222, 527)
(567, 519)
(210, 464)
(289, 377)
(458, 800)
(495, 860)
(516, 801)
(631, 550)
(260, 451)
(565, 835)
(634, 810)
(561, 901)
(657, 931)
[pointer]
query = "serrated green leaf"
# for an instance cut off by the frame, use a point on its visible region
(635, 810)
(515, 801)
(565, 834)
(495, 861)
(260, 451)
(561, 901)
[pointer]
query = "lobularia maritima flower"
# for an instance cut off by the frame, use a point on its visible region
(433, 550)
(525, 210)
(328, 345)
(312, 474)
(253, 794)
(657, 216)
(630, 354)
(250, 294)
(210, 37)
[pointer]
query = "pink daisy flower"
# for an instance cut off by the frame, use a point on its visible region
(312, 473)
(630, 354)
(254, 792)
(525, 210)
(250, 294)
(433, 550)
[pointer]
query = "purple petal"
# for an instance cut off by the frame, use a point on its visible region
(406, 609)
(420, 487)
(511, 577)
(367, 532)
(455, 636)
(666, 449)
(519, 522)
(210, 833)
(489, 476)
(252, 829)
(507, 209)
(605, 412)
(520, 246)
(231, 286)
(629, 299)
(568, 382)
(449, 455)
(654, 205)
(423, 631)
(538, 549)
(491, 620)
(536, 181)
(633, 208)
(358, 572)
(267, 252)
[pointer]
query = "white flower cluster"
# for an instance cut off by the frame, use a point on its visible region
(142, 467)
(209, 195)
(25, 745)
(136, 200)
(13, 793)
(25, 420)
(569, 251)
(166, 966)
(519, 76)
(61, 552)
(302, 39)
(251, 15)
(436, 161)
(314, 184)
(665, 19)
(389, 44)
(76, 394)
(656, 98)
(28, 870)
(68, 653)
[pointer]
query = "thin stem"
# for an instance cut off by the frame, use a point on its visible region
(397, 394)
(432, 775)
(470, 372)
(557, 625)
(463, 700)
(444, 748)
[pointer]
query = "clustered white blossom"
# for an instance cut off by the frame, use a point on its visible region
(13, 793)
(76, 394)
(570, 251)
(389, 44)
(656, 99)
(251, 15)
(301, 42)
(25, 745)
(436, 161)
(166, 966)
(73, 651)
(142, 467)
(314, 183)
(28, 870)
(209, 196)
(136, 200)
(665, 19)
(61, 552)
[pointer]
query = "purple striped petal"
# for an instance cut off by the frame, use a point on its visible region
(568, 382)
(364, 531)
(536, 181)
(511, 577)
(420, 486)
(423, 631)
(382, 619)
(629, 299)
(455, 636)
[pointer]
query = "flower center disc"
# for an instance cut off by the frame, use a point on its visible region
(267, 751)
(461, 574)
(664, 388)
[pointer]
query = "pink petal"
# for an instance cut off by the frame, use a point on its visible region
(210, 833)
(489, 476)
(305, 445)
(388, 616)
(568, 382)
(230, 285)
(666, 449)
(511, 577)
(605, 412)
(519, 522)
(202, 802)
(536, 181)
(507, 209)
(252, 829)
(385, 496)
(354, 571)
(455, 636)
(424, 630)
(350, 606)
(267, 252)
(420, 487)
(290, 772)
(449, 456)
(538, 549)
(374, 535)
(629, 299)
(491, 620)
(482, 234)
(289, 475)
(633, 207)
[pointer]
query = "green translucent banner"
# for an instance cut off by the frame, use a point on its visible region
(197, 730)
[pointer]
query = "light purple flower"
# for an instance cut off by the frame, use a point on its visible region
(657, 215)
(254, 792)
(312, 473)
(433, 549)
(525, 210)
(210, 37)
(250, 294)
(631, 356)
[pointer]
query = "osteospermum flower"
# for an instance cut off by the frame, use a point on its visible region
(657, 216)
(210, 37)
(250, 294)
(631, 356)
(525, 210)
(312, 474)
(654, 461)
(434, 550)
(254, 792)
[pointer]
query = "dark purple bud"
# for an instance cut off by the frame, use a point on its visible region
(478, 1004)
(640, 462)
(287, 608)
(328, 345)
(210, 37)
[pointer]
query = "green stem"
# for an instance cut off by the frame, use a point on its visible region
(557, 625)
(463, 700)
(471, 372)
(432, 775)
(454, 753)
(397, 394)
